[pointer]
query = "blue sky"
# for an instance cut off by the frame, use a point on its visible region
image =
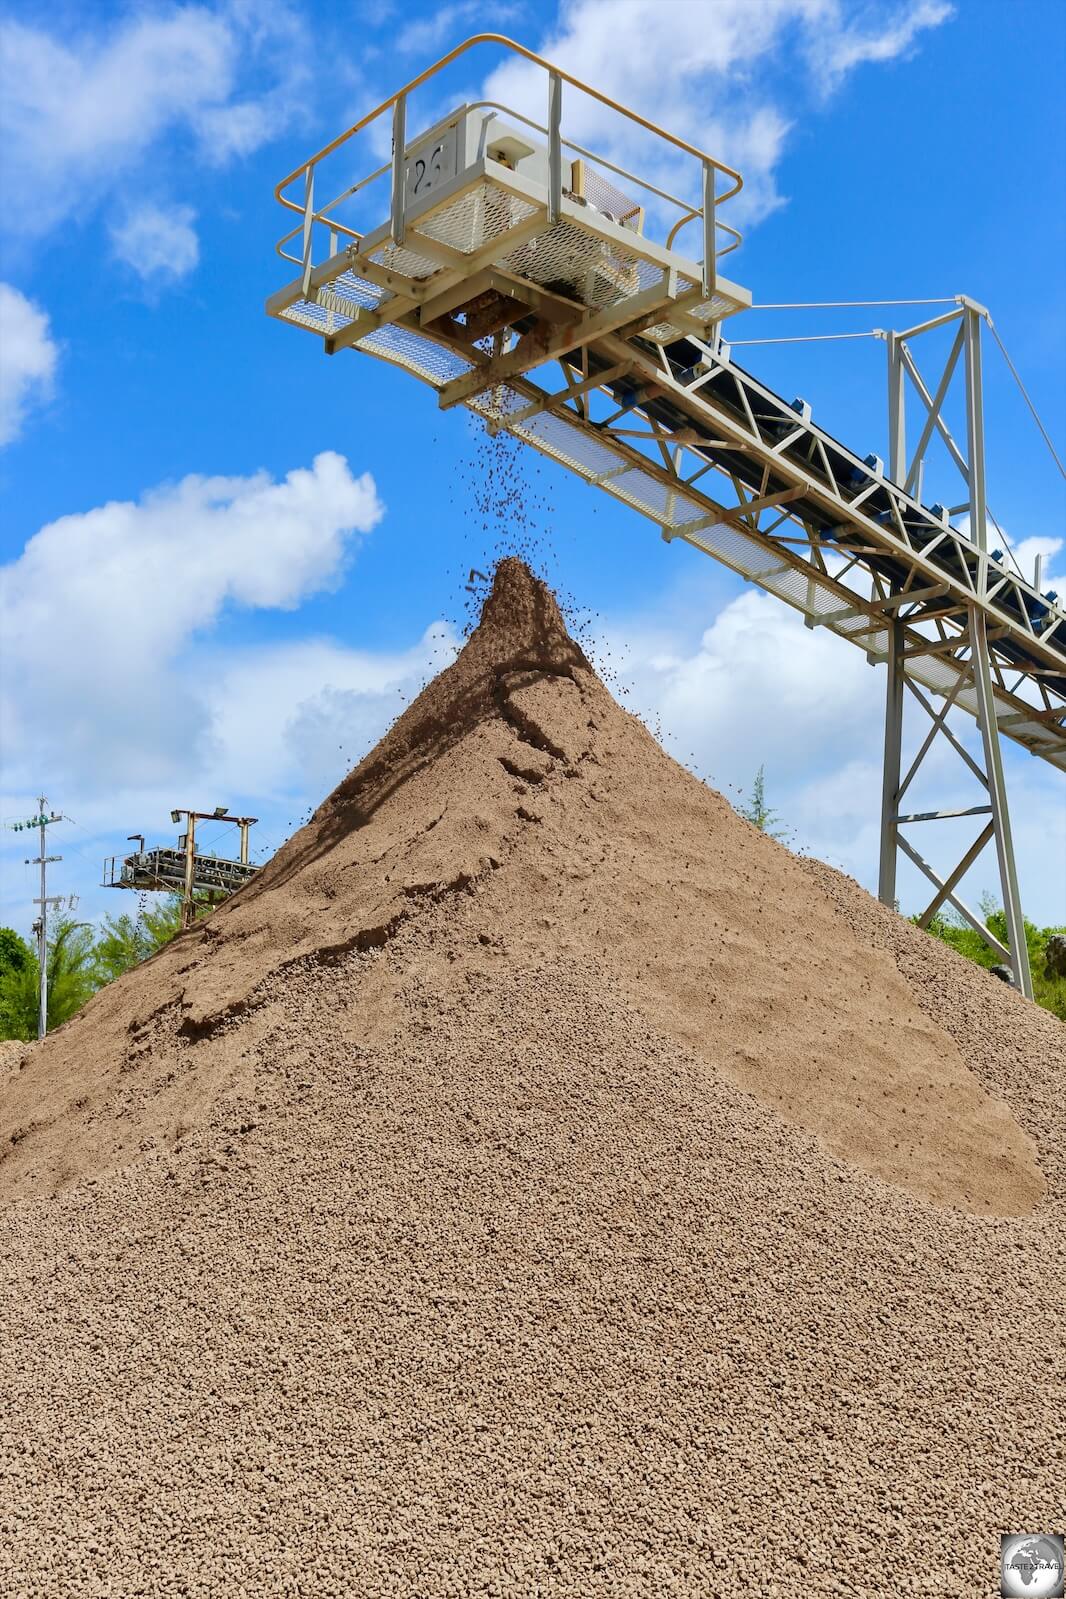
(229, 561)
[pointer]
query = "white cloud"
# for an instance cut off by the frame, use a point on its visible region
(294, 717)
(285, 722)
(98, 613)
(158, 244)
(445, 25)
(842, 49)
(690, 69)
(28, 356)
(79, 115)
(757, 652)
(758, 688)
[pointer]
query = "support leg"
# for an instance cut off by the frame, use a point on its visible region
(886, 881)
(187, 915)
(1008, 877)
(897, 427)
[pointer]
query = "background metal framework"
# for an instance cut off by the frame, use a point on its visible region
(495, 275)
(184, 870)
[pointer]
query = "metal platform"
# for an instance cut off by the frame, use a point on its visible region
(165, 869)
(508, 250)
(434, 289)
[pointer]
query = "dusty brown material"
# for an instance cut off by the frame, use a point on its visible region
(536, 1182)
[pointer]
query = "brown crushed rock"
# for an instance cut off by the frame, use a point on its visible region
(12, 1051)
(537, 1182)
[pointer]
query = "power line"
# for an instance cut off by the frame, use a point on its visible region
(1025, 397)
(82, 849)
(835, 305)
(804, 338)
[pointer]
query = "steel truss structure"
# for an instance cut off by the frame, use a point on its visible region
(974, 644)
(506, 267)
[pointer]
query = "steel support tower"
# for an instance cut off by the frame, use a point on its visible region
(512, 270)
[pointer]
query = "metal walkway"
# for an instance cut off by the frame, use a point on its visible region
(507, 251)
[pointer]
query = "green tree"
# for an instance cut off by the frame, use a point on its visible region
(120, 945)
(125, 941)
(1048, 990)
(758, 812)
(14, 951)
(70, 981)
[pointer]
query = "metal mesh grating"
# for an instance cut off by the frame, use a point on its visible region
(407, 263)
(1036, 732)
(497, 403)
(596, 190)
(424, 357)
(728, 544)
(353, 287)
(802, 589)
(573, 446)
(666, 505)
(568, 443)
(712, 310)
(343, 307)
(484, 213)
(316, 317)
(583, 265)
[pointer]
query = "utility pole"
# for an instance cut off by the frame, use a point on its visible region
(41, 821)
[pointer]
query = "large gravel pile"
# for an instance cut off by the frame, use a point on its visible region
(537, 1182)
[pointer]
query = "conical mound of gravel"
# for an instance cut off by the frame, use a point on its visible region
(537, 1182)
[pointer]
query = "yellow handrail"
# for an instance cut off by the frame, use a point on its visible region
(676, 229)
(530, 55)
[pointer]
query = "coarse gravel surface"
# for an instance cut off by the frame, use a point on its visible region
(537, 1182)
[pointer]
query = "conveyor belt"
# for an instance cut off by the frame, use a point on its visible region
(719, 461)
(1028, 608)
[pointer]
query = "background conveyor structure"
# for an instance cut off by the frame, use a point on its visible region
(503, 249)
(166, 869)
(186, 870)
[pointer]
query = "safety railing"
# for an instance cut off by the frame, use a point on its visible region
(712, 171)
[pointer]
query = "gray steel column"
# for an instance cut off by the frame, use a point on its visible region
(710, 231)
(398, 215)
(897, 430)
(975, 443)
(997, 790)
(555, 147)
(982, 674)
(886, 877)
(897, 471)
